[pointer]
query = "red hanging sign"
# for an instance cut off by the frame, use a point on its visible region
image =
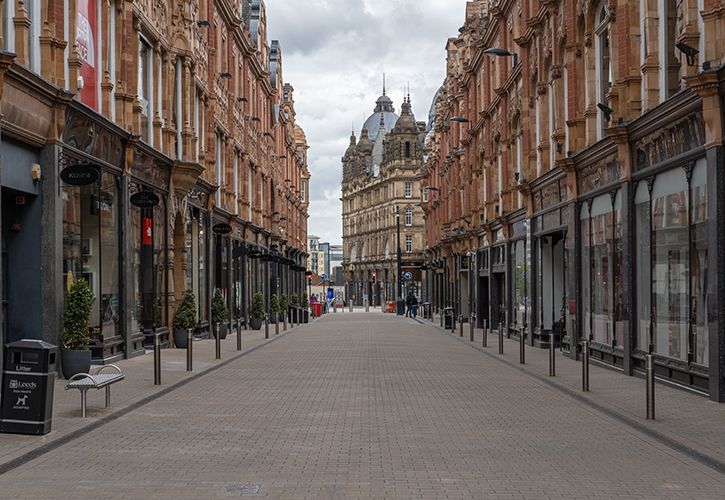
(86, 31)
(147, 231)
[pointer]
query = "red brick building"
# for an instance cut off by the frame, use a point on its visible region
(574, 182)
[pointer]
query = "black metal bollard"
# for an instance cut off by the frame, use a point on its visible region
(500, 337)
(441, 314)
(189, 350)
(157, 359)
(471, 332)
(266, 326)
(460, 326)
(552, 355)
(484, 342)
(522, 346)
(650, 382)
(284, 321)
(585, 366)
(276, 327)
(218, 341)
(239, 335)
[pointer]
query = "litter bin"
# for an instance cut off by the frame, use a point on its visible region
(401, 307)
(448, 315)
(316, 309)
(27, 390)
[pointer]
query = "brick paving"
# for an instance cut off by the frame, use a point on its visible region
(377, 406)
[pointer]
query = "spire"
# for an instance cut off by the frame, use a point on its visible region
(383, 83)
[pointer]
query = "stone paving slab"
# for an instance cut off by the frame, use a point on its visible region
(137, 385)
(367, 406)
(681, 415)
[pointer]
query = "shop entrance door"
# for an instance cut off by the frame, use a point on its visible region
(498, 299)
(21, 280)
(483, 302)
(551, 286)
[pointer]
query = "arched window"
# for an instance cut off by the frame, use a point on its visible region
(603, 65)
(407, 149)
(408, 216)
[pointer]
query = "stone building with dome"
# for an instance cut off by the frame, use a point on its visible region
(380, 184)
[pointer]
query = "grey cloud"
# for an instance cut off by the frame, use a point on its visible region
(334, 53)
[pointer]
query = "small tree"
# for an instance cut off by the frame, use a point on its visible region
(256, 310)
(78, 303)
(274, 307)
(305, 301)
(219, 311)
(185, 314)
(283, 305)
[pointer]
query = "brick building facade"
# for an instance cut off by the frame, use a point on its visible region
(574, 182)
(180, 110)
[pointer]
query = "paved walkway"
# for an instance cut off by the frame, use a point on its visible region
(378, 406)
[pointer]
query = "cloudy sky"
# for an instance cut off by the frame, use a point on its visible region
(334, 53)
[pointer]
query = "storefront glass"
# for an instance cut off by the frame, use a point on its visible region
(518, 255)
(586, 271)
(672, 252)
(90, 247)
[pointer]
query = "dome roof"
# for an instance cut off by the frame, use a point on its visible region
(383, 107)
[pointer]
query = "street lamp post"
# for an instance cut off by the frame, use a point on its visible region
(399, 298)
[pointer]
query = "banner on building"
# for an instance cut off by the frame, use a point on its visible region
(86, 33)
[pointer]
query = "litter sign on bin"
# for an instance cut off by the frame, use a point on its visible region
(27, 390)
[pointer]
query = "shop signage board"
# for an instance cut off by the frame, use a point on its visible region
(145, 199)
(407, 276)
(222, 228)
(81, 174)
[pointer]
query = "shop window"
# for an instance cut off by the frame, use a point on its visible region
(91, 248)
(673, 219)
(148, 263)
(670, 259)
(601, 271)
(518, 256)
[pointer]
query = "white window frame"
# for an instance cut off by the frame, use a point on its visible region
(408, 189)
(408, 217)
(408, 243)
(218, 170)
(235, 174)
(146, 51)
(602, 31)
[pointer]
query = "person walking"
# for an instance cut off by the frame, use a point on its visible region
(414, 306)
(409, 305)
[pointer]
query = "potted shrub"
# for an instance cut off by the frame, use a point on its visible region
(184, 319)
(283, 307)
(305, 308)
(219, 315)
(294, 304)
(274, 308)
(74, 352)
(256, 311)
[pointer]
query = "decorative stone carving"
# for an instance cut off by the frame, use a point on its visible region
(667, 142)
(601, 173)
(88, 136)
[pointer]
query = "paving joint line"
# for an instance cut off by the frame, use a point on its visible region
(23, 459)
(688, 451)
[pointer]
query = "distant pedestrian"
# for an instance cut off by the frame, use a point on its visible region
(409, 300)
(414, 306)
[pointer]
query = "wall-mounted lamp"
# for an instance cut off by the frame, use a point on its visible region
(226, 74)
(690, 52)
(499, 52)
(242, 99)
(203, 24)
(459, 119)
(606, 110)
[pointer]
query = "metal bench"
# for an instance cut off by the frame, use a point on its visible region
(97, 380)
